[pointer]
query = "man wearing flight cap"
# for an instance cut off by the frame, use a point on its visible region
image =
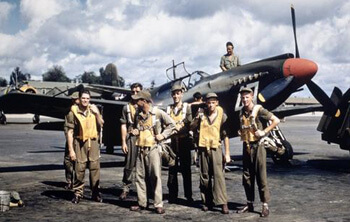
(68, 163)
(210, 123)
(229, 60)
(127, 121)
(181, 113)
(152, 127)
(254, 153)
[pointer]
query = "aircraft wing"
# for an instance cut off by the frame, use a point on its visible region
(284, 111)
(58, 107)
(107, 89)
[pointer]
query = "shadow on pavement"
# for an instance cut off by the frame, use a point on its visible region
(47, 167)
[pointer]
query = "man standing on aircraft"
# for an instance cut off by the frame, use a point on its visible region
(211, 131)
(82, 122)
(68, 163)
(229, 60)
(181, 113)
(254, 153)
(152, 127)
(128, 141)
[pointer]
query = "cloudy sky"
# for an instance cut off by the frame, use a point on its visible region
(142, 37)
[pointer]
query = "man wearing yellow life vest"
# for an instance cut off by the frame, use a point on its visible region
(82, 122)
(152, 127)
(254, 153)
(211, 132)
(181, 113)
(68, 163)
(128, 140)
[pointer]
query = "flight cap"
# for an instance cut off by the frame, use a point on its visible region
(211, 95)
(176, 87)
(75, 95)
(144, 94)
(248, 90)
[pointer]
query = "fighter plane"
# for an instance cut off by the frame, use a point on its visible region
(272, 79)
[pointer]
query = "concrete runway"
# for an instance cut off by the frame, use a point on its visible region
(313, 188)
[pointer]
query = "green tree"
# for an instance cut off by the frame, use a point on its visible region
(3, 82)
(90, 77)
(55, 74)
(109, 76)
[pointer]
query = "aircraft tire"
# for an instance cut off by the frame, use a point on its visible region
(288, 155)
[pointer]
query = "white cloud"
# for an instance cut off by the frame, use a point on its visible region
(5, 10)
(36, 12)
(143, 37)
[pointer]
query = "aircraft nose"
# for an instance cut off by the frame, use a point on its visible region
(302, 69)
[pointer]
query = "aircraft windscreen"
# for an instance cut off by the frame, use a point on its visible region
(177, 71)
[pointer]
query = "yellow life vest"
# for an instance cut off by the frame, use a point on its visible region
(131, 110)
(146, 136)
(209, 134)
(88, 128)
(249, 125)
(179, 116)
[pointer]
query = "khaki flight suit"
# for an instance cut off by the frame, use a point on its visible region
(148, 163)
(67, 163)
(181, 145)
(254, 155)
(212, 174)
(128, 118)
(229, 64)
(86, 148)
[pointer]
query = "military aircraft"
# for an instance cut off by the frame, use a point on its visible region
(272, 79)
(109, 77)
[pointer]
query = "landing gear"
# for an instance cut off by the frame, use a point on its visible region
(284, 151)
(36, 119)
(2, 118)
(286, 156)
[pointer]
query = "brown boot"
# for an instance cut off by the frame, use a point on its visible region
(265, 211)
(160, 210)
(123, 195)
(247, 208)
(224, 209)
(97, 198)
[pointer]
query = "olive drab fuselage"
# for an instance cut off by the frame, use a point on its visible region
(87, 122)
(209, 133)
(249, 125)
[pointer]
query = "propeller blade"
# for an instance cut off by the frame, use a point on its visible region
(346, 95)
(322, 97)
(295, 32)
(274, 88)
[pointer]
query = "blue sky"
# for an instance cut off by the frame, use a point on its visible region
(142, 37)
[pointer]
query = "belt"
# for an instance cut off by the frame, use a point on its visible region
(145, 147)
(77, 138)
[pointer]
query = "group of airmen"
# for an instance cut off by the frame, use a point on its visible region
(151, 137)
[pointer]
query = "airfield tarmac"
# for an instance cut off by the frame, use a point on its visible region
(314, 187)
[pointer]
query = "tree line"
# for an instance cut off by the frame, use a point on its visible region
(57, 74)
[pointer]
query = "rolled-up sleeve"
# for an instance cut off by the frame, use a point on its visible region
(223, 128)
(124, 117)
(168, 122)
(69, 121)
